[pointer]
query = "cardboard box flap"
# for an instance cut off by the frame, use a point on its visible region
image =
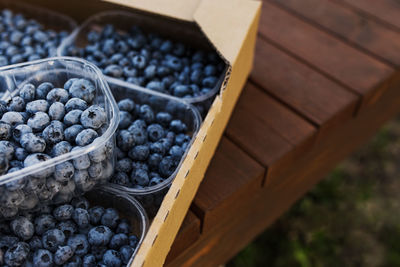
(178, 9)
(226, 34)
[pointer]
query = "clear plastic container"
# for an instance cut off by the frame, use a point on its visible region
(24, 189)
(128, 208)
(48, 18)
(175, 30)
(151, 197)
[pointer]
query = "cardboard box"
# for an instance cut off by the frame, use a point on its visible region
(231, 26)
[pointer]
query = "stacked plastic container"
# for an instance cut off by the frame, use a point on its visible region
(123, 21)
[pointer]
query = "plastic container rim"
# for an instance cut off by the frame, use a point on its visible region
(72, 38)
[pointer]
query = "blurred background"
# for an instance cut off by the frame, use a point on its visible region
(351, 218)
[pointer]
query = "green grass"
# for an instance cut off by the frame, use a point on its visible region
(351, 218)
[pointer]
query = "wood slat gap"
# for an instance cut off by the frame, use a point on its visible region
(335, 34)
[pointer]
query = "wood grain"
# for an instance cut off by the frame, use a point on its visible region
(307, 91)
(232, 178)
(385, 10)
(356, 28)
(353, 68)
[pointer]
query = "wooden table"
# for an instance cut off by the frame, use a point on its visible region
(326, 77)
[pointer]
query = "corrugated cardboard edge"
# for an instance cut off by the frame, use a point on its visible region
(178, 199)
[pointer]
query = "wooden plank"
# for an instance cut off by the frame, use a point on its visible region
(263, 132)
(354, 27)
(314, 96)
(385, 10)
(343, 63)
(187, 235)
(219, 245)
(230, 180)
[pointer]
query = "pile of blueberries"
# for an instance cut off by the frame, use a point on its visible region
(150, 145)
(69, 235)
(148, 60)
(42, 122)
(23, 39)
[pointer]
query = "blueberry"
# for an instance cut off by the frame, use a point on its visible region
(118, 240)
(209, 82)
(166, 167)
(35, 243)
(80, 202)
(157, 148)
(38, 121)
(139, 62)
(133, 241)
(178, 126)
(68, 227)
(16, 104)
(43, 258)
(110, 218)
(17, 254)
(146, 113)
(69, 83)
(57, 95)
(156, 86)
(89, 260)
(120, 178)
(124, 165)
(155, 181)
(8, 241)
(140, 177)
(123, 227)
(81, 217)
(126, 253)
(12, 118)
(126, 105)
(154, 160)
(83, 181)
(176, 153)
(114, 71)
(95, 171)
(99, 154)
(76, 103)
(125, 140)
(112, 258)
(125, 120)
(44, 223)
(86, 137)
(61, 148)
(7, 149)
(75, 261)
(71, 132)
(140, 152)
(139, 135)
(5, 131)
(63, 254)
(36, 106)
(63, 212)
(100, 236)
(93, 117)
(155, 132)
(83, 89)
(98, 252)
(32, 143)
(54, 133)
(79, 244)
(81, 162)
(164, 118)
(57, 111)
(20, 130)
(73, 117)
